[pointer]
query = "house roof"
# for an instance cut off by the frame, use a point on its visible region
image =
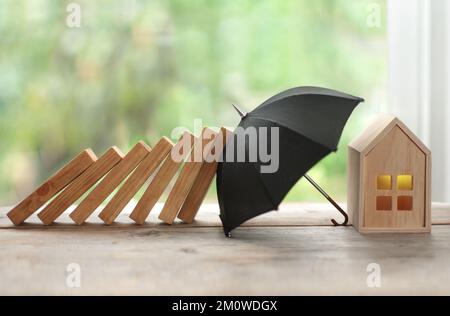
(379, 128)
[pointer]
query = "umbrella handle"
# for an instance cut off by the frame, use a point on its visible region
(330, 200)
(340, 211)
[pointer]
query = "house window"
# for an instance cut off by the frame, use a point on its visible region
(384, 182)
(404, 183)
(404, 203)
(384, 203)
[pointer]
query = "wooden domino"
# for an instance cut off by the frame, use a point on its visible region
(204, 178)
(197, 156)
(52, 186)
(162, 179)
(136, 180)
(80, 185)
(112, 180)
(185, 180)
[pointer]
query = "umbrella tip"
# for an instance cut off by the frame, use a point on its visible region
(242, 114)
(227, 233)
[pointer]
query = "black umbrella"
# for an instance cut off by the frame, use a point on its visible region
(309, 122)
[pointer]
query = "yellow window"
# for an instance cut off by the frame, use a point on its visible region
(404, 182)
(384, 182)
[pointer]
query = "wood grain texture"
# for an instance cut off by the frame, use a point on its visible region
(428, 172)
(52, 186)
(202, 182)
(112, 180)
(80, 185)
(354, 182)
(186, 178)
(136, 180)
(388, 147)
(378, 129)
(374, 132)
(289, 214)
(162, 179)
(262, 258)
(395, 155)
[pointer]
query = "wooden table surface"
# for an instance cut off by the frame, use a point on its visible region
(294, 251)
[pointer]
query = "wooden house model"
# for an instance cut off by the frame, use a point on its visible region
(389, 173)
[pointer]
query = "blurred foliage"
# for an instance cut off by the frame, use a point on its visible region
(137, 69)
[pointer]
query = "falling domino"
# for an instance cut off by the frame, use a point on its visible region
(162, 178)
(184, 182)
(204, 178)
(110, 182)
(80, 185)
(136, 180)
(52, 186)
(85, 170)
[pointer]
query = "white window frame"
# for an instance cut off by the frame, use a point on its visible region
(419, 78)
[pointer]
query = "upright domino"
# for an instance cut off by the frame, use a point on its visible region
(112, 180)
(136, 180)
(52, 186)
(80, 185)
(204, 178)
(185, 180)
(162, 178)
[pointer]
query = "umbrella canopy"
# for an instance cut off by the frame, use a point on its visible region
(301, 126)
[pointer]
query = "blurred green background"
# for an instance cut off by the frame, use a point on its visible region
(136, 69)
